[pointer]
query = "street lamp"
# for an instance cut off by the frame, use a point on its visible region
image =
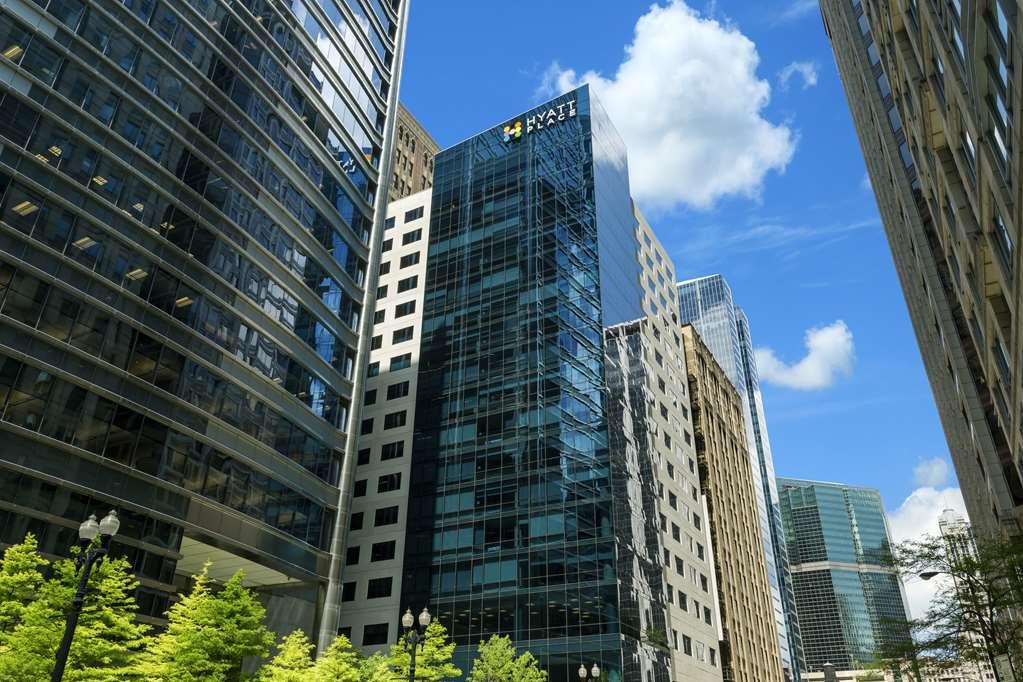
(416, 637)
(89, 557)
(594, 672)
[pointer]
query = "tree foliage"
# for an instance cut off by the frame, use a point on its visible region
(108, 639)
(497, 662)
(293, 661)
(209, 635)
(433, 659)
(976, 614)
(20, 579)
(339, 663)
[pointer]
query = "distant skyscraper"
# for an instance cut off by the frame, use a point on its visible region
(707, 304)
(189, 194)
(414, 152)
(934, 93)
(849, 598)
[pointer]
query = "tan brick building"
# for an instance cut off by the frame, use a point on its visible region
(749, 646)
(414, 150)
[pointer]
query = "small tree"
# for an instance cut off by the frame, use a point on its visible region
(20, 579)
(376, 668)
(209, 635)
(108, 639)
(433, 659)
(976, 615)
(293, 661)
(339, 663)
(497, 662)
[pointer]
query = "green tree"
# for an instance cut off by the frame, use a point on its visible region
(976, 614)
(376, 668)
(339, 663)
(293, 661)
(209, 634)
(433, 658)
(497, 662)
(20, 579)
(108, 640)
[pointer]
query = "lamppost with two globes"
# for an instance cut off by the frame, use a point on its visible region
(594, 672)
(416, 637)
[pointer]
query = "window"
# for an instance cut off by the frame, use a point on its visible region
(676, 533)
(410, 237)
(376, 342)
(367, 427)
(687, 645)
(373, 369)
(382, 551)
(392, 450)
(362, 457)
(408, 283)
(409, 260)
(389, 223)
(706, 615)
(402, 335)
(389, 482)
(399, 390)
(394, 420)
(673, 500)
(414, 214)
(348, 591)
(704, 583)
(683, 601)
(713, 656)
(351, 556)
(356, 521)
(403, 361)
(386, 516)
(378, 588)
(680, 567)
(371, 397)
(385, 268)
(387, 246)
(403, 309)
(374, 634)
(379, 316)
(382, 292)
(697, 521)
(359, 490)
(699, 550)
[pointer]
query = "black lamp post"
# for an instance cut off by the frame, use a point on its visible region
(90, 556)
(594, 672)
(416, 637)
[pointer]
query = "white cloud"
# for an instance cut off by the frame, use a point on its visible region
(689, 104)
(931, 473)
(807, 71)
(797, 9)
(918, 516)
(829, 353)
(865, 183)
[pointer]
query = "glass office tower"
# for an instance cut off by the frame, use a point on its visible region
(707, 304)
(848, 596)
(511, 523)
(188, 191)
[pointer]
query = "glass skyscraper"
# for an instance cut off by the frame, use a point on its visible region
(848, 596)
(512, 522)
(707, 304)
(188, 194)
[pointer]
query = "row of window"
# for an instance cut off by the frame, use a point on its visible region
(388, 451)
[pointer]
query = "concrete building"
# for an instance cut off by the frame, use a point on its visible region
(707, 304)
(749, 637)
(189, 209)
(646, 376)
(414, 151)
(849, 598)
(933, 89)
(371, 589)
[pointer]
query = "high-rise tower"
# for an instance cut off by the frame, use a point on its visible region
(190, 192)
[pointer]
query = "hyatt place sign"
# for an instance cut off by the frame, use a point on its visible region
(538, 121)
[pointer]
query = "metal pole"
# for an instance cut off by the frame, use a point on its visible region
(413, 639)
(72, 619)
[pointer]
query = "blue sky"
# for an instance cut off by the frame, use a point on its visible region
(798, 237)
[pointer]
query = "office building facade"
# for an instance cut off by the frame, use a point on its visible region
(188, 199)
(414, 152)
(848, 596)
(933, 91)
(749, 634)
(371, 587)
(708, 305)
(512, 523)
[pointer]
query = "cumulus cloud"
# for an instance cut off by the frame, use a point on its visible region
(916, 517)
(931, 473)
(830, 353)
(689, 104)
(796, 10)
(807, 71)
